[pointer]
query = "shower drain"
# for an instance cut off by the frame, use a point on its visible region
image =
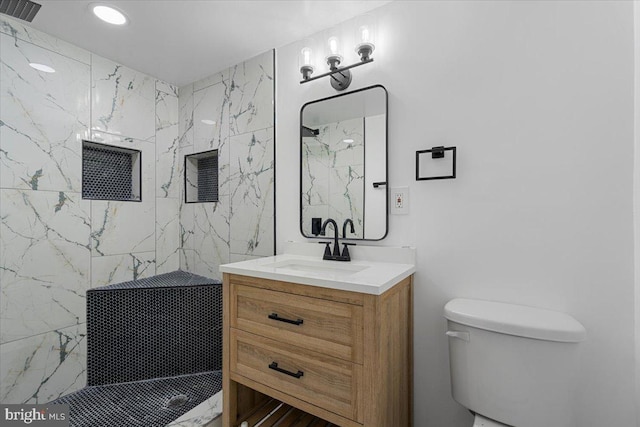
(176, 401)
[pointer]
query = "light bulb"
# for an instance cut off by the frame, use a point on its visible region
(365, 36)
(334, 56)
(333, 46)
(305, 56)
(305, 62)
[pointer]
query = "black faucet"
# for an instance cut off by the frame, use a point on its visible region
(328, 254)
(345, 247)
(335, 255)
(344, 228)
(336, 246)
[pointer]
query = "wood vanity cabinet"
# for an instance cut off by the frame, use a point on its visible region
(344, 357)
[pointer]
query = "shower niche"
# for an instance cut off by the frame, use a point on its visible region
(201, 177)
(110, 172)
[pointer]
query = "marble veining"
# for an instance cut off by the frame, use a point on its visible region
(40, 296)
(106, 270)
(211, 80)
(43, 118)
(167, 143)
(211, 237)
(251, 95)
(53, 244)
(167, 88)
(251, 183)
(120, 227)
(231, 111)
(185, 118)
(333, 175)
(43, 367)
(123, 100)
(167, 235)
(211, 117)
(18, 31)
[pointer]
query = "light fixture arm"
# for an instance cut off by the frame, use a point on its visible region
(339, 70)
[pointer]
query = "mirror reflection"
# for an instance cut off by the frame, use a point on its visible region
(343, 153)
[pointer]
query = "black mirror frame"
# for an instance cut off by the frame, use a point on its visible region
(386, 166)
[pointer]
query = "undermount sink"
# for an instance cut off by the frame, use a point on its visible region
(327, 267)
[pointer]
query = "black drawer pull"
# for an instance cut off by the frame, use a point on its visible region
(274, 366)
(275, 316)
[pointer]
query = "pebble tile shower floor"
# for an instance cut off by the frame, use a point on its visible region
(141, 403)
(154, 351)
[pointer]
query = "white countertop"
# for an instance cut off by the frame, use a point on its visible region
(359, 275)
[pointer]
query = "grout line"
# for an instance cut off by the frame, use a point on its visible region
(43, 333)
(123, 253)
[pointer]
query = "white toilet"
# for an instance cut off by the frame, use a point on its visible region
(513, 365)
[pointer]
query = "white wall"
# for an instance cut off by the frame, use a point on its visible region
(538, 98)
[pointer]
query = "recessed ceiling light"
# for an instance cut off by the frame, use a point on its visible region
(348, 141)
(42, 67)
(109, 14)
(208, 122)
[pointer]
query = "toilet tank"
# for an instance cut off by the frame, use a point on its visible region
(512, 363)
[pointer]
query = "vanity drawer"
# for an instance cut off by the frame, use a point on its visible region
(296, 371)
(328, 327)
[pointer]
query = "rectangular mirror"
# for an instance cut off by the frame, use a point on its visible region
(343, 163)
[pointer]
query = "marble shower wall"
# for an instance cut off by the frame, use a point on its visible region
(232, 112)
(53, 244)
(333, 182)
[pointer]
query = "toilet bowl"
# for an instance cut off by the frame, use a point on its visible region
(513, 365)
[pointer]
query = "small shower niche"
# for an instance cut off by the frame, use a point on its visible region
(201, 177)
(110, 172)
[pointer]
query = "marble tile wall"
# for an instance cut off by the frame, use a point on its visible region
(333, 179)
(233, 112)
(53, 244)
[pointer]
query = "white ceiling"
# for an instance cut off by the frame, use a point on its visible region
(181, 41)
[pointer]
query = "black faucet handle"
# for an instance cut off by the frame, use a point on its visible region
(345, 250)
(327, 250)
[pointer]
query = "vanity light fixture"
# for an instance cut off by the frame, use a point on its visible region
(305, 61)
(365, 36)
(340, 76)
(42, 67)
(109, 14)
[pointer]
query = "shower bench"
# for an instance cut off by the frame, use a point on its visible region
(154, 351)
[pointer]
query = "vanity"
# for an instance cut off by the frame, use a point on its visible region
(323, 336)
(326, 342)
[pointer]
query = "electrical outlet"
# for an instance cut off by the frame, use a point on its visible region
(399, 200)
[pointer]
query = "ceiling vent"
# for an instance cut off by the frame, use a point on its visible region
(21, 9)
